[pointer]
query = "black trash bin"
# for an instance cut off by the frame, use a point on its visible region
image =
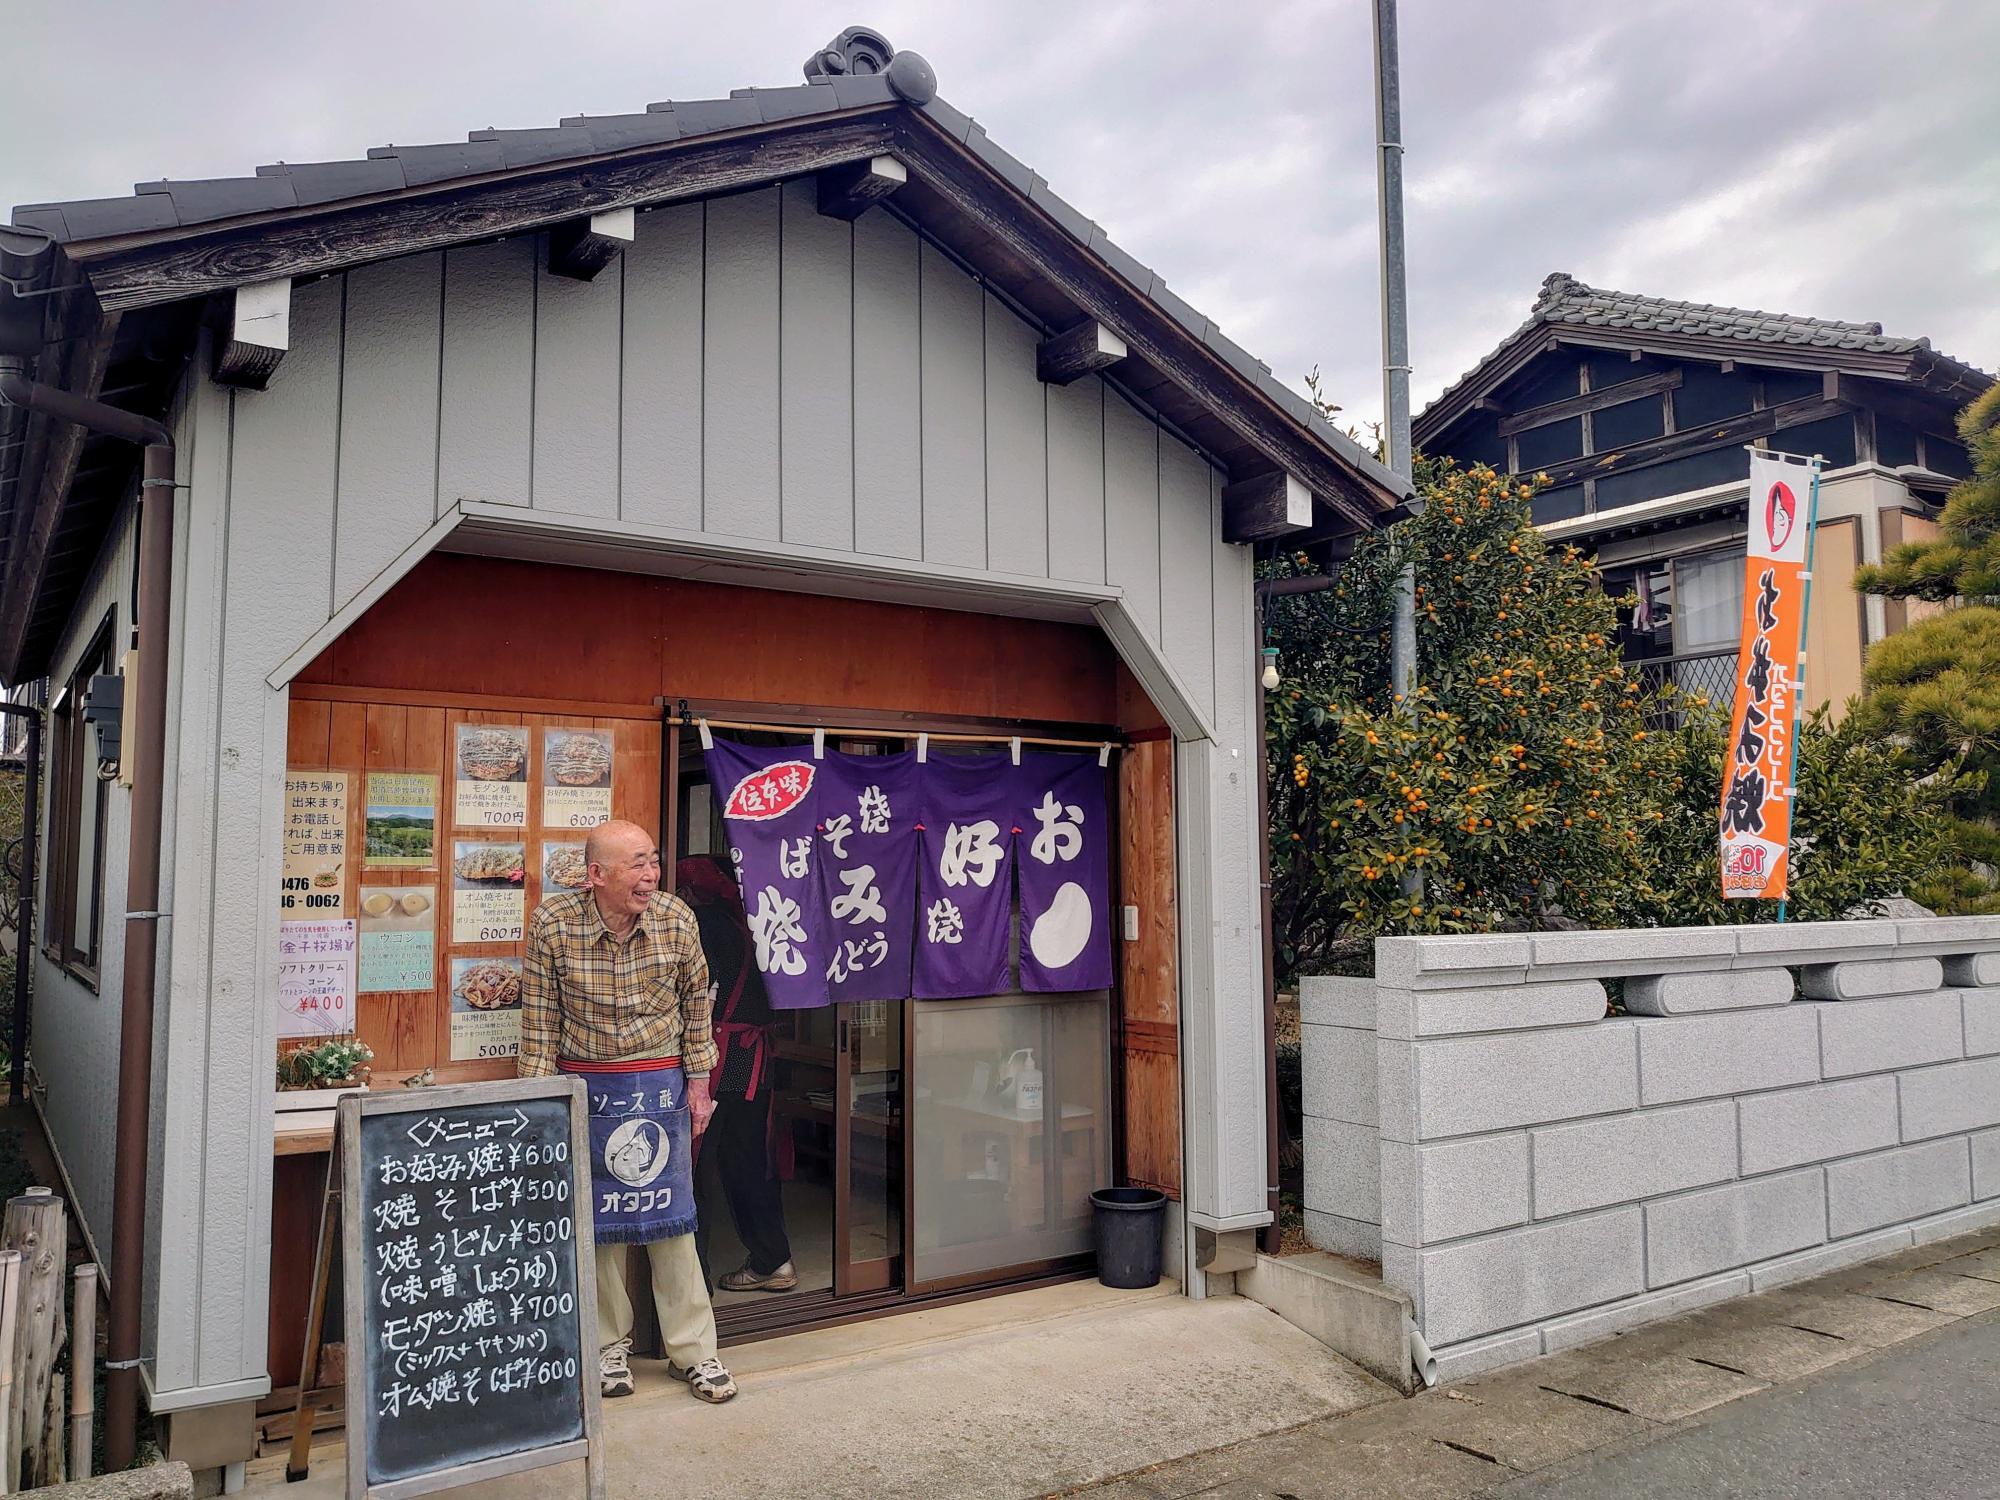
(1126, 1222)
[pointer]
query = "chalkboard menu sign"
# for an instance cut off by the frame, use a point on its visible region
(472, 1301)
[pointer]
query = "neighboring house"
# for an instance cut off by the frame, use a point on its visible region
(809, 405)
(1638, 409)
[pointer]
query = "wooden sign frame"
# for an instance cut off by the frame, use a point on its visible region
(347, 1154)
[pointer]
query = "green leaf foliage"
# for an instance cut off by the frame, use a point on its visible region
(1933, 690)
(1535, 782)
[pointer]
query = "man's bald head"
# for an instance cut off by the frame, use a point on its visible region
(613, 837)
(624, 870)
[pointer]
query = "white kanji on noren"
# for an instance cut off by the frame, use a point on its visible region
(862, 901)
(795, 856)
(775, 927)
(839, 830)
(874, 811)
(970, 853)
(946, 922)
(1061, 836)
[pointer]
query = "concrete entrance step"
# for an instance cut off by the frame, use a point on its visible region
(1018, 1396)
(1343, 1304)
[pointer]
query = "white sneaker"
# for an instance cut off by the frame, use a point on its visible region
(614, 1368)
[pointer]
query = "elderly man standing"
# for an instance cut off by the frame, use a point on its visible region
(615, 989)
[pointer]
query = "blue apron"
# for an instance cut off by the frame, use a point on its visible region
(641, 1161)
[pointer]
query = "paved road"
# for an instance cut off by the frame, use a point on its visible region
(1922, 1419)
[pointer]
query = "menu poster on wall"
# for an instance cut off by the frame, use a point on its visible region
(485, 1008)
(315, 844)
(315, 978)
(398, 938)
(401, 829)
(488, 902)
(576, 777)
(563, 869)
(492, 776)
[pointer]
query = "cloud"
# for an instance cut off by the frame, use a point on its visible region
(1827, 157)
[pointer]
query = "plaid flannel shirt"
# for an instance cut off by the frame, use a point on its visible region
(588, 996)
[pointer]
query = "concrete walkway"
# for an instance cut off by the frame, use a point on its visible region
(1547, 1418)
(1009, 1397)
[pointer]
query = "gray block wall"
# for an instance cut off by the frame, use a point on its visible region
(1536, 1171)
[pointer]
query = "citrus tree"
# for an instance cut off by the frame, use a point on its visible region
(1518, 785)
(1534, 780)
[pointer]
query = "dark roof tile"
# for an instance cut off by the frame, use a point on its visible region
(426, 164)
(1009, 166)
(619, 132)
(774, 105)
(87, 218)
(954, 124)
(207, 199)
(699, 116)
(1101, 245)
(329, 181)
(858, 90)
(1074, 222)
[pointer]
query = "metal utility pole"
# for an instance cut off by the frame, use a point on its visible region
(1395, 347)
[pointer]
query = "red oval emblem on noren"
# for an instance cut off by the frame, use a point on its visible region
(771, 792)
(1780, 511)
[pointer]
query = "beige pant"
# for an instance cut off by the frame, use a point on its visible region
(680, 1297)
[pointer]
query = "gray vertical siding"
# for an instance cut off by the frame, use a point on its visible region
(740, 367)
(486, 395)
(749, 369)
(888, 390)
(816, 372)
(577, 373)
(952, 312)
(388, 382)
(1017, 462)
(661, 399)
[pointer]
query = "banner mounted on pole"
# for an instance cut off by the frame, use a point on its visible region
(1756, 808)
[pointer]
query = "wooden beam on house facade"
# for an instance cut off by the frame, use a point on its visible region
(1077, 351)
(849, 191)
(1590, 401)
(1265, 506)
(580, 248)
(260, 331)
(207, 259)
(1743, 429)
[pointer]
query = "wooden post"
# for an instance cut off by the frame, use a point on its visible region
(83, 1369)
(10, 1319)
(300, 1462)
(35, 1225)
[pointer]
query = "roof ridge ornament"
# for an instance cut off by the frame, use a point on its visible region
(861, 51)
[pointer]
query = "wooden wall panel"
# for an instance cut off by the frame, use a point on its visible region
(411, 1031)
(816, 360)
(740, 343)
(1149, 968)
(486, 406)
(484, 627)
(954, 414)
(660, 480)
(888, 400)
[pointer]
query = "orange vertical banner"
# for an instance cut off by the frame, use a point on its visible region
(1756, 807)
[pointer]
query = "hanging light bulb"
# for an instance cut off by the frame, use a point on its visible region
(1270, 677)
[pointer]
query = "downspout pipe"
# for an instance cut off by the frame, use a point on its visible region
(146, 737)
(24, 926)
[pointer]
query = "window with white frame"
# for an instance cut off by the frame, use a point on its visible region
(78, 797)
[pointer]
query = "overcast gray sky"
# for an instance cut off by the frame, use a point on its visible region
(1839, 158)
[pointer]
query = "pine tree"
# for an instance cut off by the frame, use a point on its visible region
(1934, 689)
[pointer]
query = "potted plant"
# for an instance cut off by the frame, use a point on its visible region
(315, 1074)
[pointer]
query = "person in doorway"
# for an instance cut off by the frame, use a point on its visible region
(739, 1134)
(615, 989)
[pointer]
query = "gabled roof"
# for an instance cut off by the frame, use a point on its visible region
(150, 262)
(1588, 314)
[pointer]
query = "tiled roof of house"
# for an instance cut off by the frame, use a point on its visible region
(1565, 300)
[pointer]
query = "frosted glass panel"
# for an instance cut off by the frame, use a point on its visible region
(1004, 1177)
